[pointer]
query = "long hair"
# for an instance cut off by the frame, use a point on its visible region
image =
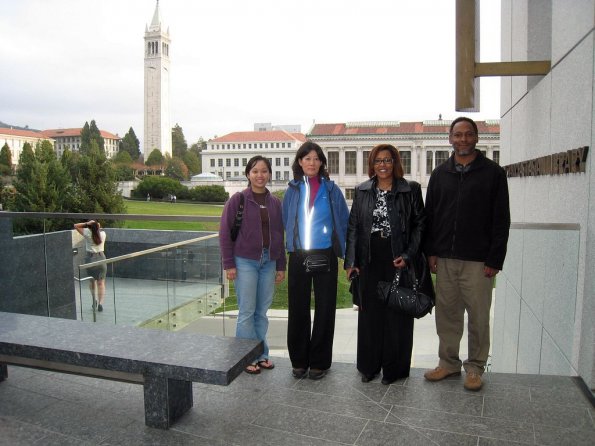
(94, 227)
(305, 148)
(398, 171)
(252, 162)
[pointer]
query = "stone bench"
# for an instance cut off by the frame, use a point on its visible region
(166, 363)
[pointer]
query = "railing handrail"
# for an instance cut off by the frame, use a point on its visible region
(98, 216)
(147, 251)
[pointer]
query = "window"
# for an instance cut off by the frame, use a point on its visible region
(277, 175)
(227, 162)
(220, 162)
(406, 160)
(260, 145)
(236, 162)
(496, 156)
(277, 145)
(333, 162)
(441, 156)
(429, 161)
(286, 161)
(286, 175)
(244, 161)
(213, 162)
(365, 158)
(349, 193)
(249, 146)
(277, 162)
(227, 175)
(282, 145)
(350, 163)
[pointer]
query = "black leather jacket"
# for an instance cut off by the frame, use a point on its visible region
(406, 214)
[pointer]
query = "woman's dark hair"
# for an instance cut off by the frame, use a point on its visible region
(94, 227)
(398, 171)
(305, 148)
(252, 162)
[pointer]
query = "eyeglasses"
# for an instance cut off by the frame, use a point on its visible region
(385, 161)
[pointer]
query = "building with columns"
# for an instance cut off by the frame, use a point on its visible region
(228, 155)
(157, 134)
(423, 145)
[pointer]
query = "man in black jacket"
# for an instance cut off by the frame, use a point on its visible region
(468, 219)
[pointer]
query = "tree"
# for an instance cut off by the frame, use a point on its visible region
(178, 142)
(158, 187)
(95, 185)
(176, 169)
(155, 158)
(130, 144)
(192, 161)
(42, 184)
(122, 157)
(205, 194)
(6, 156)
(91, 133)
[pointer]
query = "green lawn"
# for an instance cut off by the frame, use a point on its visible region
(165, 208)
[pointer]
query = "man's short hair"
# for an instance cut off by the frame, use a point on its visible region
(463, 118)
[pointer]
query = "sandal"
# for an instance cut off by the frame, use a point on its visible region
(266, 364)
(252, 369)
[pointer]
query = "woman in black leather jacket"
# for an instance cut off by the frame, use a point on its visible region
(386, 225)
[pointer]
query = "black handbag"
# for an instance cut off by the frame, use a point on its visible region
(317, 263)
(407, 300)
(237, 223)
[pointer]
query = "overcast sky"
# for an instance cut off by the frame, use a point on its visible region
(237, 62)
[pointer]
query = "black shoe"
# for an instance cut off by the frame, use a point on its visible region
(387, 381)
(299, 373)
(99, 307)
(316, 374)
(367, 378)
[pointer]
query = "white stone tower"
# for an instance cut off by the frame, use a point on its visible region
(157, 65)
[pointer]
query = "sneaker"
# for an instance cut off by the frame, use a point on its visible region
(473, 381)
(439, 373)
(316, 374)
(99, 307)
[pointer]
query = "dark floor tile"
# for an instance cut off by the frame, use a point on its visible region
(78, 420)
(381, 434)
(455, 384)
(546, 414)
(311, 422)
(16, 433)
(325, 403)
(452, 402)
(555, 436)
(515, 379)
(493, 442)
(564, 395)
(18, 403)
(463, 424)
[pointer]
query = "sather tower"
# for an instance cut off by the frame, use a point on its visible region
(157, 65)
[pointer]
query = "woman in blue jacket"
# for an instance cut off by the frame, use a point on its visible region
(255, 260)
(315, 217)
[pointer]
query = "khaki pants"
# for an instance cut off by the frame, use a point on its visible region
(461, 286)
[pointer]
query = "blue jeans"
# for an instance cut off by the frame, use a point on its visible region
(255, 285)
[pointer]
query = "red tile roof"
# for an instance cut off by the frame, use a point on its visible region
(59, 133)
(392, 128)
(274, 135)
(17, 132)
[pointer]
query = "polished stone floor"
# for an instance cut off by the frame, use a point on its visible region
(273, 408)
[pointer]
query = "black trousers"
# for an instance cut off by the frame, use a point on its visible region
(384, 336)
(311, 345)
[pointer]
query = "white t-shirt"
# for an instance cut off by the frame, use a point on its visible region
(90, 245)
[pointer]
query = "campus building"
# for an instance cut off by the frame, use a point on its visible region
(228, 155)
(71, 139)
(16, 139)
(423, 145)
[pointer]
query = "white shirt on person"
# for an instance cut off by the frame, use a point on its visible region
(90, 245)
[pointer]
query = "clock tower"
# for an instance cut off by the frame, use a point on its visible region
(157, 71)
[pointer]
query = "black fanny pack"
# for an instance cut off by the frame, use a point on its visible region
(317, 263)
